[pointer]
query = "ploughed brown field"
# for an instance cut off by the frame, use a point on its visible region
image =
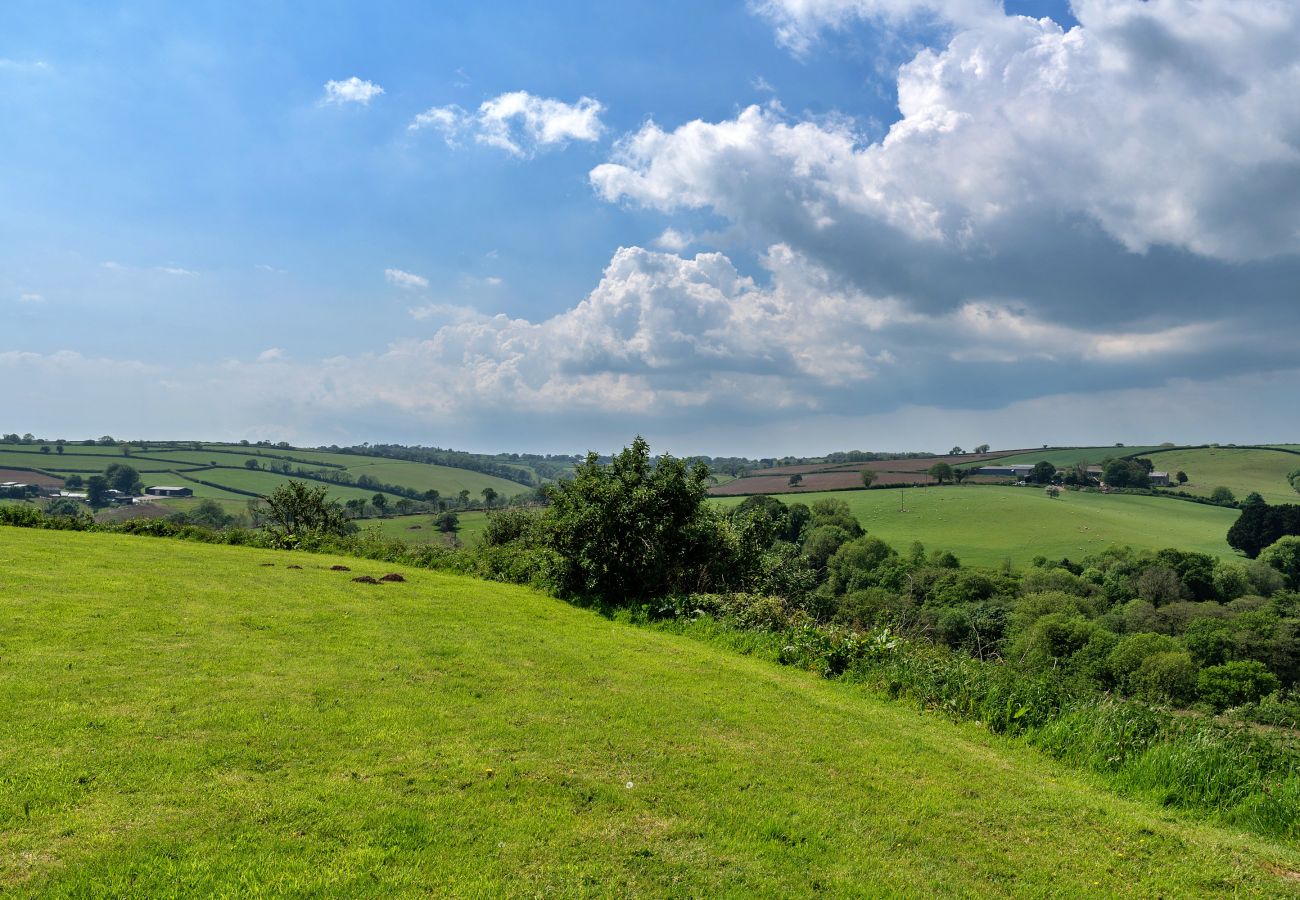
(842, 476)
(23, 476)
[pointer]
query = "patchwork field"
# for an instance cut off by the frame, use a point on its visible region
(184, 719)
(984, 525)
(839, 476)
(1241, 469)
(155, 463)
(1063, 457)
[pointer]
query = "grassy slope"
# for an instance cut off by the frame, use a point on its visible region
(1242, 470)
(1062, 458)
(182, 719)
(265, 482)
(421, 476)
(447, 480)
(984, 525)
(472, 524)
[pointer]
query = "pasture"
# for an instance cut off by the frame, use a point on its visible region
(984, 524)
(187, 719)
(472, 525)
(1239, 468)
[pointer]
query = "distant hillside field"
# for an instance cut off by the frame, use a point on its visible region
(223, 464)
(196, 720)
(839, 476)
(1241, 469)
(1064, 457)
(984, 525)
(419, 529)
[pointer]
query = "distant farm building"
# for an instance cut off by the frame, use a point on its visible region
(162, 490)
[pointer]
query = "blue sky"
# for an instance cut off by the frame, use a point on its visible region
(778, 226)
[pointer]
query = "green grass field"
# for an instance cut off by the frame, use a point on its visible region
(1242, 470)
(443, 479)
(1065, 457)
(984, 525)
(185, 719)
(265, 482)
(472, 525)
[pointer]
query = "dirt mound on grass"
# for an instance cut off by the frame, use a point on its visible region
(293, 567)
(366, 579)
(392, 576)
(339, 569)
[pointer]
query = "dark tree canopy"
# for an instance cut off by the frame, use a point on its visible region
(1260, 526)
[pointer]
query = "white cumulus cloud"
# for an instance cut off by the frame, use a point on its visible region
(1164, 124)
(517, 122)
(351, 90)
(408, 280)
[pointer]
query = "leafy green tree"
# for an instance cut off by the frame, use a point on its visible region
(1166, 677)
(209, 514)
(72, 482)
(982, 448)
(297, 509)
(65, 507)
(463, 497)
(1180, 476)
(124, 478)
(447, 522)
(380, 503)
(1223, 495)
(632, 530)
(795, 480)
(941, 472)
(1235, 683)
(1042, 473)
(45, 449)
(431, 496)
(956, 451)
(489, 496)
(97, 490)
(252, 464)
(1284, 556)
(868, 478)
(1125, 473)
(404, 506)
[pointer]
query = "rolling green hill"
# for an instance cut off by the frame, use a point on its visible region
(983, 525)
(1062, 457)
(187, 719)
(230, 459)
(1239, 468)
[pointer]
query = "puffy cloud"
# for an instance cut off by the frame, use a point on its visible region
(31, 299)
(517, 122)
(351, 90)
(673, 240)
(1161, 123)
(407, 280)
(175, 270)
(271, 354)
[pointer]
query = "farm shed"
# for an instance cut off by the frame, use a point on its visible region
(162, 490)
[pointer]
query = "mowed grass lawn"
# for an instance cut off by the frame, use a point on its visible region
(1241, 469)
(983, 525)
(184, 719)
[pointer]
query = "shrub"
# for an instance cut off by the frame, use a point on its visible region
(1235, 683)
(1168, 677)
